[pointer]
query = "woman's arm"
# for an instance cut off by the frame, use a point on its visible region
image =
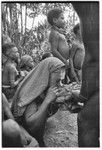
(37, 120)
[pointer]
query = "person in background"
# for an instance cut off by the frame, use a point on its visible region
(10, 74)
(26, 64)
(77, 54)
(58, 40)
(5, 39)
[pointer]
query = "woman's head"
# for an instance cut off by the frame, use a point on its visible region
(57, 72)
(26, 62)
(57, 76)
(46, 55)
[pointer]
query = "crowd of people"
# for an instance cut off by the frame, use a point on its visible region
(30, 93)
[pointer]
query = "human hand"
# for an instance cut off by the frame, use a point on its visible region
(52, 94)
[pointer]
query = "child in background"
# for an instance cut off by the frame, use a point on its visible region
(57, 38)
(59, 46)
(77, 54)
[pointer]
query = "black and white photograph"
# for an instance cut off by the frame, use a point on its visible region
(50, 85)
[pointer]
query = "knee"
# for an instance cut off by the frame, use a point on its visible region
(11, 128)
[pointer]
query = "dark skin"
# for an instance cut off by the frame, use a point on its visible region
(88, 117)
(9, 71)
(77, 53)
(73, 74)
(22, 133)
(59, 45)
(10, 74)
(57, 40)
(37, 116)
(36, 121)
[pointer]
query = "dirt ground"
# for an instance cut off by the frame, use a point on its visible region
(61, 130)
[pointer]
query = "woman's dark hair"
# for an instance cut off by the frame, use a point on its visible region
(6, 47)
(54, 13)
(46, 55)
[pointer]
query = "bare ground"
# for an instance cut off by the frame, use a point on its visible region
(61, 130)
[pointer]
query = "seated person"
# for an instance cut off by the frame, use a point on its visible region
(14, 135)
(5, 39)
(46, 55)
(35, 96)
(77, 54)
(10, 74)
(26, 64)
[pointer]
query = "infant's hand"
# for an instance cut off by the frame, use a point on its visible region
(52, 94)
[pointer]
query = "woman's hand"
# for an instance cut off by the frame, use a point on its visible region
(52, 94)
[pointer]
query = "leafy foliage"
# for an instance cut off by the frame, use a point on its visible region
(32, 41)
